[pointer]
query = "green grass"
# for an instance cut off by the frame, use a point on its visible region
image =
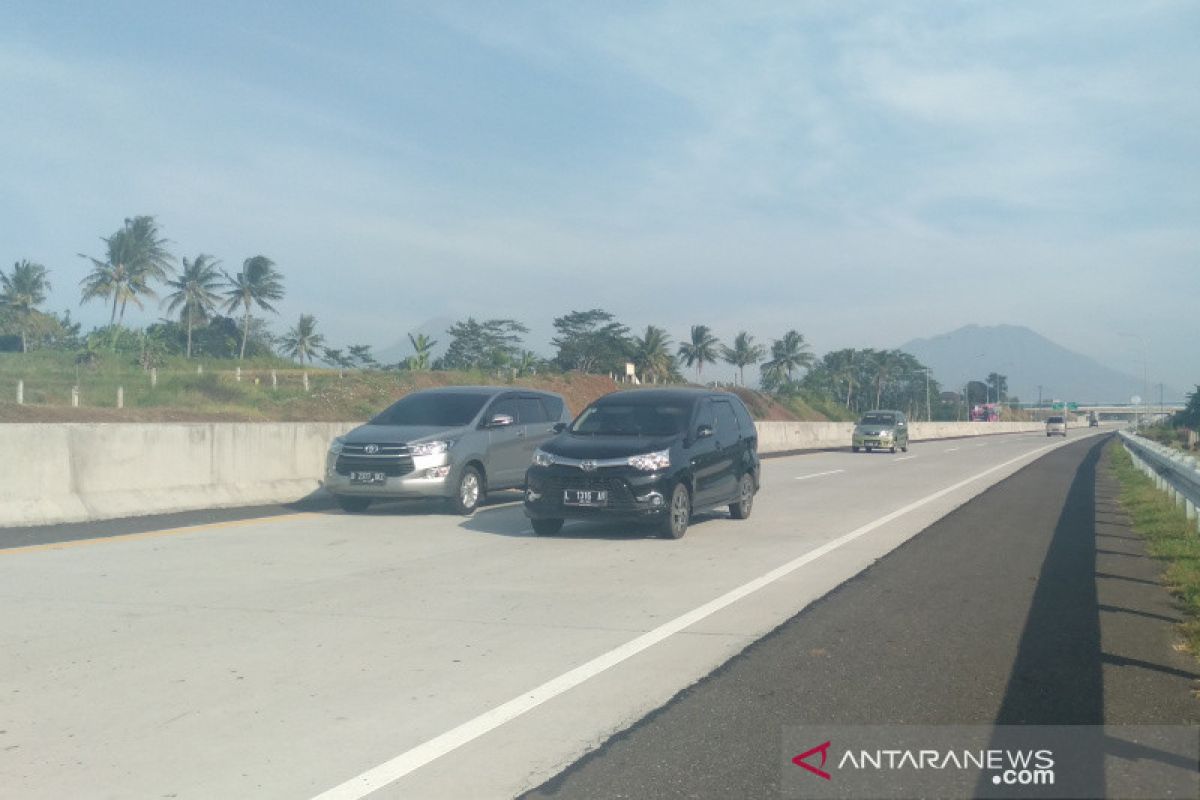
(1169, 536)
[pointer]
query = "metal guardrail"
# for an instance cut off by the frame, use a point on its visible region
(1173, 472)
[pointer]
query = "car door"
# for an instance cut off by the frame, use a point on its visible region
(507, 456)
(705, 458)
(539, 426)
(729, 446)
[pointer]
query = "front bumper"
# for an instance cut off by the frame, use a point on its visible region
(431, 476)
(863, 440)
(631, 494)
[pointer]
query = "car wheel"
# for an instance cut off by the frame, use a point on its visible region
(867, 449)
(679, 513)
(469, 493)
(854, 449)
(353, 504)
(893, 448)
(904, 447)
(745, 502)
(547, 527)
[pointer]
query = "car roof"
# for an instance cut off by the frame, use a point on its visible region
(884, 411)
(487, 391)
(638, 396)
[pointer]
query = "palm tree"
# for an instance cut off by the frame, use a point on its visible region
(195, 292)
(789, 354)
(257, 284)
(743, 353)
(22, 292)
(134, 256)
(303, 341)
(701, 350)
(423, 346)
(652, 355)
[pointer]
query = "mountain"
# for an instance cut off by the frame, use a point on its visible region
(434, 328)
(1029, 360)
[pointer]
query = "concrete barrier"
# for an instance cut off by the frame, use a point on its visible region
(76, 472)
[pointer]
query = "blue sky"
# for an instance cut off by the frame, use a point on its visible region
(867, 173)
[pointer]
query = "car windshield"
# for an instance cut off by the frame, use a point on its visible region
(446, 409)
(1054, 420)
(633, 419)
(877, 419)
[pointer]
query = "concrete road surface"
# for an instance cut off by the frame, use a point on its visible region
(415, 654)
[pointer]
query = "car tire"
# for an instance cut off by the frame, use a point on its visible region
(679, 513)
(893, 448)
(853, 449)
(745, 502)
(468, 492)
(547, 527)
(904, 447)
(867, 449)
(355, 505)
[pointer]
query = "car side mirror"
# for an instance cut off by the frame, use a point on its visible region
(704, 431)
(500, 421)
(559, 427)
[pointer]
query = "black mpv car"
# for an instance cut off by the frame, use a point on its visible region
(653, 454)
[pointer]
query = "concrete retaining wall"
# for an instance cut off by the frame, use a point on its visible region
(75, 472)
(56, 473)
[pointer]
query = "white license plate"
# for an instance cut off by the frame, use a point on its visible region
(368, 477)
(578, 497)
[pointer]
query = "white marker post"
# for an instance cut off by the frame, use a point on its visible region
(74, 397)
(20, 393)
(120, 397)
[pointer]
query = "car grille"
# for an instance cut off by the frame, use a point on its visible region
(620, 498)
(392, 460)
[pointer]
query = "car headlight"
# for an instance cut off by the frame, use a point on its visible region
(543, 459)
(430, 448)
(650, 462)
(335, 446)
(884, 434)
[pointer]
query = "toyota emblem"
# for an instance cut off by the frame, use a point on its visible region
(371, 449)
(587, 466)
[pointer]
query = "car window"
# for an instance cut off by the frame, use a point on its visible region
(531, 411)
(505, 405)
(632, 419)
(553, 406)
(745, 422)
(726, 421)
(877, 419)
(706, 415)
(432, 408)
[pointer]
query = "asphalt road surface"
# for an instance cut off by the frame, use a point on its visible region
(409, 653)
(1032, 605)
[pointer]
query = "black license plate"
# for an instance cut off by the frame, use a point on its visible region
(581, 497)
(368, 477)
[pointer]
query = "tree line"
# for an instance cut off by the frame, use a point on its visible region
(210, 311)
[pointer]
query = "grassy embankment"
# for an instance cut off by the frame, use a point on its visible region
(182, 394)
(1169, 536)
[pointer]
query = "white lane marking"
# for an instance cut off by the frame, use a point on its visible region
(819, 474)
(904, 458)
(396, 768)
(982, 444)
(952, 449)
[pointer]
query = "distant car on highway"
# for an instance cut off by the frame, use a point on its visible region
(1056, 426)
(1093, 420)
(659, 455)
(880, 429)
(456, 443)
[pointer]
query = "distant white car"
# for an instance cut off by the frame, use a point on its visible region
(1056, 426)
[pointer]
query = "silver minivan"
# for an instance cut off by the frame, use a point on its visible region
(456, 443)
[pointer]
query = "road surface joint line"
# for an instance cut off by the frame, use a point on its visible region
(416, 757)
(819, 474)
(126, 537)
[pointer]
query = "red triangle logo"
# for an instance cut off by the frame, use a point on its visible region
(800, 761)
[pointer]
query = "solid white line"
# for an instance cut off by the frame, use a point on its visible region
(952, 449)
(396, 768)
(904, 458)
(819, 474)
